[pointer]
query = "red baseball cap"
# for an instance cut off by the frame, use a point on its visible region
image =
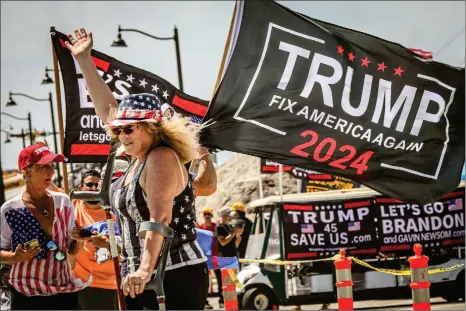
(37, 154)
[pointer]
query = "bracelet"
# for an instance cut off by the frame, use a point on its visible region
(203, 155)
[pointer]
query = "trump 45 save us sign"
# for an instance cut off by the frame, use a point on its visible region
(313, 95)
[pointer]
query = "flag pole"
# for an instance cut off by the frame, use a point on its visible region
(60, 114)
(222, 64)
(261, 190)
(281, 183)
(225, 51)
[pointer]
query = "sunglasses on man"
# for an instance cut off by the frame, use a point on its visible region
(207, 214)
(59, 255)
(92, 184)
(128, 130)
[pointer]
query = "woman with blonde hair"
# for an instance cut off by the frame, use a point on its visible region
(156, 187)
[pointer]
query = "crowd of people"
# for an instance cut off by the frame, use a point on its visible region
(68, 285)
(56, 251)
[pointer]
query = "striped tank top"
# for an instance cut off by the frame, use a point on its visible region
(131, 203)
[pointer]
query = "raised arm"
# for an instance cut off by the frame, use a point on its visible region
(205, 183)
(100, 93)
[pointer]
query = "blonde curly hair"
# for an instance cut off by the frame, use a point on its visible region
(178, 134)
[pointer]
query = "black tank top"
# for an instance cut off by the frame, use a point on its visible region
(131, 204)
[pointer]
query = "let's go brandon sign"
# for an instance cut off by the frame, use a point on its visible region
(309, 94)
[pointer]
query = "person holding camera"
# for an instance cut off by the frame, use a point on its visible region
(228, 235)
(239, 213)
(95, 257)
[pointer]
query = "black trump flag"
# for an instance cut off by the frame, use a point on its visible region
(309, 94)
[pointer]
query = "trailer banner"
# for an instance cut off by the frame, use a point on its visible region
(320, 229)
(433, 225)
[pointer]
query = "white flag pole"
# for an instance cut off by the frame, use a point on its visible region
(281, 183)
(261, 191)
(299, 183)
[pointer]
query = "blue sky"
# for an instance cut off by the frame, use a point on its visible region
(202, 26)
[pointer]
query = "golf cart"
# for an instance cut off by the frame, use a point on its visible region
(266, 286)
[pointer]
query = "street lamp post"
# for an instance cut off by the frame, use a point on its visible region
(23, 135)
(119, 42)
(7, 140)
(31, 137)
(11, 102)
(2, 185)
(47, 79)
(178, 57)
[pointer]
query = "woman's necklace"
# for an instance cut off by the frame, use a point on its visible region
(45, 212)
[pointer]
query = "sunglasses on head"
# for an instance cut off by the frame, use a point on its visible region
(59, 255)
(128, 129)
(91, 184)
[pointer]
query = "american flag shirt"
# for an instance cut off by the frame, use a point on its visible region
(43, 275)
(131, 203)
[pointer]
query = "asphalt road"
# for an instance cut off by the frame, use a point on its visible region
(406, 304)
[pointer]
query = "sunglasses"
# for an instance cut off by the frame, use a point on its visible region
(53, 247)
(92, 184)
(128, 130)
(207, 214)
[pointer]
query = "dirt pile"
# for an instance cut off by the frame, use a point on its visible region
(237, 180)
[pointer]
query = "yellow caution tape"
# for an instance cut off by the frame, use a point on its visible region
(403, 272)
(358, 261)
(389, 271)
(233, 277)
(440, 270)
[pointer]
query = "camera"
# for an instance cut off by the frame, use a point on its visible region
(238, 223)
(84, 233)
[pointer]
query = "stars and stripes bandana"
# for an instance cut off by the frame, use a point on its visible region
(134, 108)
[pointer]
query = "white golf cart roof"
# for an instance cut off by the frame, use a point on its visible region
(356, 193)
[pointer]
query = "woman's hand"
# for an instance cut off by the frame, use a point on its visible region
(81, 45)
(27, 254)
(239, 231)
(75, 235)
(99, 241)
(134, 283)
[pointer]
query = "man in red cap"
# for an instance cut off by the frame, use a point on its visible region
(38, 233)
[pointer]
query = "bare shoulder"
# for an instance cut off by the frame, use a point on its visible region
(159, 167)
(162, 155)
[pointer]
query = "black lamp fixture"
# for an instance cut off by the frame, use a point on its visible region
(119, 42)
(10, 102)
(7, 140)
(47, 79)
